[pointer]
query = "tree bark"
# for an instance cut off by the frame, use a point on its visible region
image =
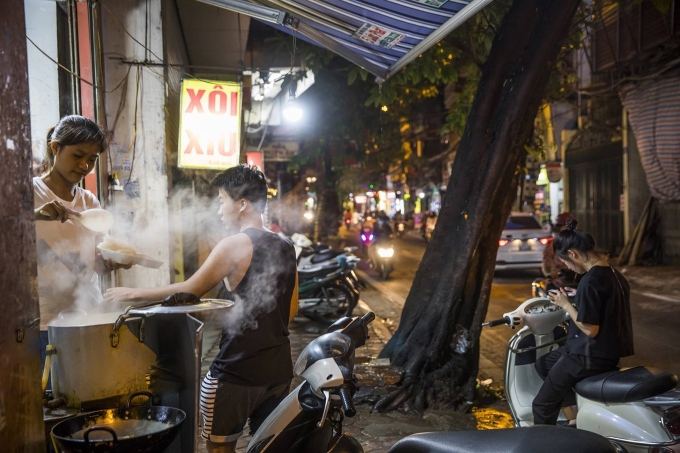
(437, 342)
(21, 421)
(329, 211)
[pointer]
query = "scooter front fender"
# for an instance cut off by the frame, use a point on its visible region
(276, 423)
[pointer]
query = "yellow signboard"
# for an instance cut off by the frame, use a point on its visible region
(210, 124)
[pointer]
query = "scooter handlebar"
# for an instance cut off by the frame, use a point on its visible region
(368, 318)
(347, 403)
(496, 322)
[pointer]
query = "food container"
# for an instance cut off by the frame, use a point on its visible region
(89, 366)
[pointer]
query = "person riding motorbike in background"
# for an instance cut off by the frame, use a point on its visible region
(381, 228)
(559, 274)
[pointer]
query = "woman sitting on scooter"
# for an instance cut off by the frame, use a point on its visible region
(600, 331)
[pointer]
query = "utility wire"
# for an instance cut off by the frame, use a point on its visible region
(668, 67)
(76, 75)
(128, 33)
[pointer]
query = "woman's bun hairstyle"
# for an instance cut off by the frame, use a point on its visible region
(572, 239)
(571, 224)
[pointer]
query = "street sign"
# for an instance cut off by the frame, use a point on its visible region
(210, 124)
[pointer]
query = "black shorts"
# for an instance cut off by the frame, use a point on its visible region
(226, 407)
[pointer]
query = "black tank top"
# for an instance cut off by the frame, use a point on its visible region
(254, 348)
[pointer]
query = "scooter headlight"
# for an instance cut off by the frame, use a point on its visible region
(386, 253)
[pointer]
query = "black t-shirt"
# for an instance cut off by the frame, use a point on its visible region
(254, 348)
(603, 299)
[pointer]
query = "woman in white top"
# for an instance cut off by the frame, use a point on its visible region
(67, 255)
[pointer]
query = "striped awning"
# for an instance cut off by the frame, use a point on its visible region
(381, 36)
(654, 112)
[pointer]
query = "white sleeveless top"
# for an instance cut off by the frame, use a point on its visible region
(66, 257)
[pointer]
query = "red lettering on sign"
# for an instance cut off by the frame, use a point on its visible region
(195, 100)
(217, 101)
(193, 144)
(234, 104)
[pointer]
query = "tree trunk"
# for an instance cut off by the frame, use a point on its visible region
(21, 421)
(329, 211)
(437, 342)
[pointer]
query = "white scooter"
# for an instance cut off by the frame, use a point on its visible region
(309, 419)
(637, 409)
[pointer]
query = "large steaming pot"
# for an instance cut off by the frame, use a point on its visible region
(91, 364)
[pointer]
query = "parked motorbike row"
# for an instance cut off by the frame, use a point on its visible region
(328, 286)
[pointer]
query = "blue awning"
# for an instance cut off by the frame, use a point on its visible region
(381, 36)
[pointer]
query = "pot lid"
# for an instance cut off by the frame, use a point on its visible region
(206, 304)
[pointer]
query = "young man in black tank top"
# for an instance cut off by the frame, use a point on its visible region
(252, 372)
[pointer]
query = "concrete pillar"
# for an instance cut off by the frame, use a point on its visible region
(136, 118)
(21, 423)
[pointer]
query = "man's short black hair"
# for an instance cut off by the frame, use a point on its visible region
(244, 181)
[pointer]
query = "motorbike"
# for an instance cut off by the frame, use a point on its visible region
(381, 254)
(540, 287)
(320, 254)
(366, 237)
(310, 418)
(637, 409)
(329, 290)
(428, 229)
(399, 228)
(518, 440)
(348, 224)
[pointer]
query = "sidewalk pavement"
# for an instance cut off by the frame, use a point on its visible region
(661, 282)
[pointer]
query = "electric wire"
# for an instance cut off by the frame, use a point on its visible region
(76, 75)
(128, 33)
(134, 135)
(670, 65)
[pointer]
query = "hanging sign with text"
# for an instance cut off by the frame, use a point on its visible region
(210, 124)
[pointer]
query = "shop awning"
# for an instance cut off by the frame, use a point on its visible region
(381, 36)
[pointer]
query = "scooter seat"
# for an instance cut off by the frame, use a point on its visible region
(320, 271)
(529, 439)
(325, 255)
(626, 385)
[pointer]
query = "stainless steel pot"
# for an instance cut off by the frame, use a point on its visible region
(90, 366)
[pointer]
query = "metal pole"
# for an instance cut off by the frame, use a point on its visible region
(625, 201)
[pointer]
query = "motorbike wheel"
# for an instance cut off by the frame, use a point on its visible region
(343, 297)
(385, 270)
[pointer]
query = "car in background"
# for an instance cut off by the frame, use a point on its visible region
(522, 243)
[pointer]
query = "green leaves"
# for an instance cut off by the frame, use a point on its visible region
(355, 72)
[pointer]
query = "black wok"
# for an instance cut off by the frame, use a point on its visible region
(145, 429)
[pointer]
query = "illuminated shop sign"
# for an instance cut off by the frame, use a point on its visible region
(210, 124)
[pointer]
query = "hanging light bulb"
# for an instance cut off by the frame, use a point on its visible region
(292, 111)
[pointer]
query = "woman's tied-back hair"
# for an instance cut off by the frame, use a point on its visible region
(572, 239)
(244, 181)
(74, 130)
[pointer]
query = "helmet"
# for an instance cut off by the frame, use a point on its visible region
(563, 218)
